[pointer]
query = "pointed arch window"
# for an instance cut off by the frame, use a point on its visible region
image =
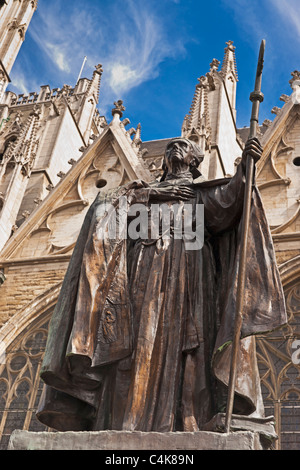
(20, 384)
(280, 373)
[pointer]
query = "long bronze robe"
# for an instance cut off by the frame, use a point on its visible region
(141, 334)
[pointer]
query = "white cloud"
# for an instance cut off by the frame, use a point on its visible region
(249, 17)
(290, 10)
(122, 77)
(58, 56)
(140, 45)
(129, 38)
(20, 84)
(139, 49)
(276, 19)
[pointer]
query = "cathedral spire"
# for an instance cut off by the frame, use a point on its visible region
(15, 169)
(196, 125)
(212, 115)
(229, 61)
(94, 86)
(88, 91)
(229, 74)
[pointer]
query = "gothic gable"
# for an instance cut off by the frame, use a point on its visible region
(52, 229)
(278, 178)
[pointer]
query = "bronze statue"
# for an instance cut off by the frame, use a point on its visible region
(141, 335)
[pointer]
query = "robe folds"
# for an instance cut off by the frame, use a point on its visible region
(140, 338)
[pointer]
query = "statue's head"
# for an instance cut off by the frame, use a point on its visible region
(184, 153)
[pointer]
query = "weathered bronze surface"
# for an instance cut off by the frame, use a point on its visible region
(141, 335)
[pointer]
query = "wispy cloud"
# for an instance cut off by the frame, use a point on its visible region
(58, 56)
(55, 35)
(128, 37)
(20, 84)
(249, 17)
(140, 46)
(278, 19)
(289, 9)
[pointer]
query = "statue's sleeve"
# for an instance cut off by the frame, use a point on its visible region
(223, 204)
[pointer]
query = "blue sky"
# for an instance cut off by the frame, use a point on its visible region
(153, 51)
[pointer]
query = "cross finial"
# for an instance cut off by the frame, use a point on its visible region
(99, 69)
(229, 63)
(202, 82)
(230, 46)
(214, 65)
(118, 109)
(295, 77)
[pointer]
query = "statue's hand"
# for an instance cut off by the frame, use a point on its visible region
(167, 193)
(252, 148)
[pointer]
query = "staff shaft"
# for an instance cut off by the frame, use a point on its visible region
(256, 97)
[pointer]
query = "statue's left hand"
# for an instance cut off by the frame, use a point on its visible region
(252, 148)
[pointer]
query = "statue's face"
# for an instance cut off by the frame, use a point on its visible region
(178, 152)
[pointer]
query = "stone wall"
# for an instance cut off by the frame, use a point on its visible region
(24, 283)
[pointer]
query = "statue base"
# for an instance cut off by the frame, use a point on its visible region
(134, 440)
(265, 427)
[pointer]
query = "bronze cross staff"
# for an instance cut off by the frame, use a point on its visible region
(256, 97)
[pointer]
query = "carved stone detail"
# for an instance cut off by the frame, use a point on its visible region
(19, 377)
(279, 372)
